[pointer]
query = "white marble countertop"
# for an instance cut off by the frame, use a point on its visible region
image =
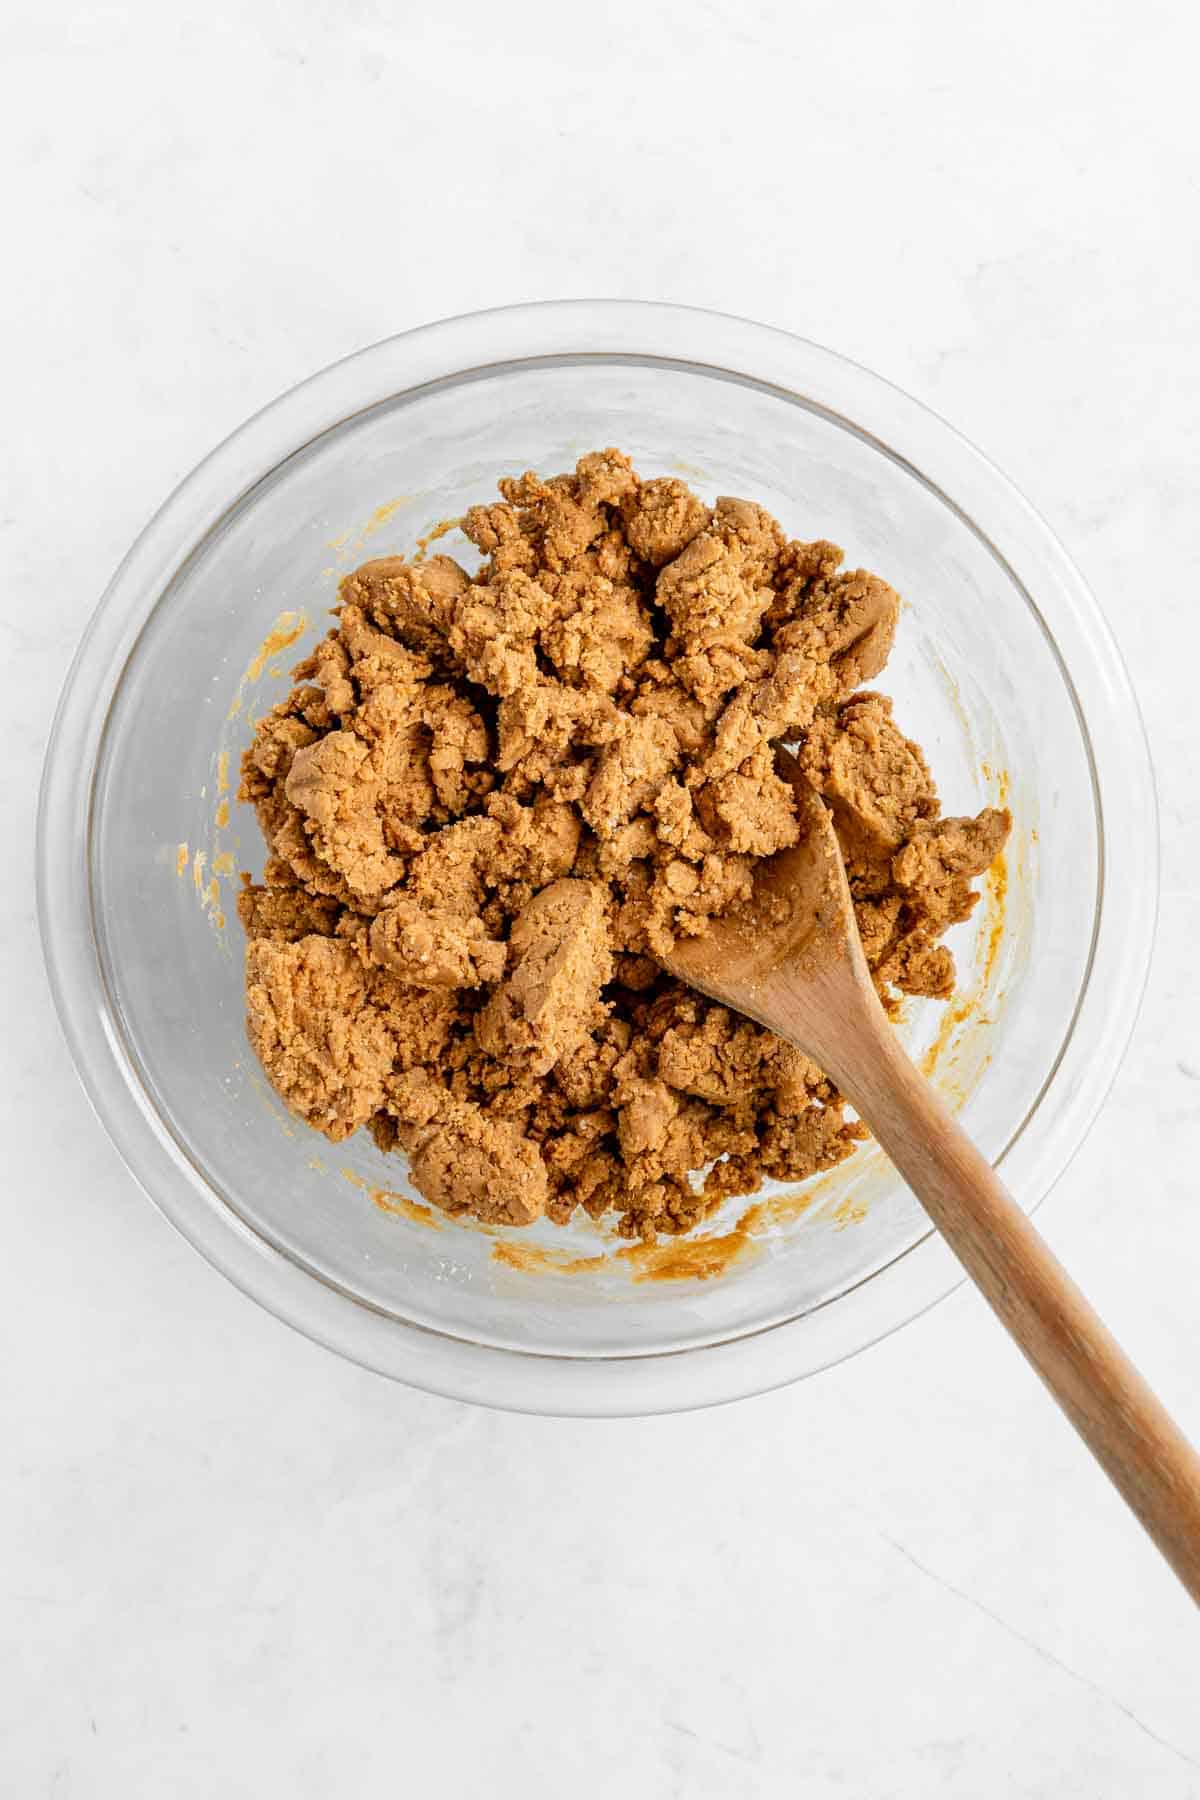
(233, 1565)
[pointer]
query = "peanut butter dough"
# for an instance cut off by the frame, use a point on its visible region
(492, 801)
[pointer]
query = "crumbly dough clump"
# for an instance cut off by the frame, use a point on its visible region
(493, 800)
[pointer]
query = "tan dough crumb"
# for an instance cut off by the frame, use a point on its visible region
(559, 946)
(430, 949)
(467, 1161)
(490, 803)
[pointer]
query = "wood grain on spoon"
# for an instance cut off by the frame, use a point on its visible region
(793, 961)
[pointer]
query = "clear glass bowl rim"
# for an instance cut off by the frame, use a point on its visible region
(462, 348)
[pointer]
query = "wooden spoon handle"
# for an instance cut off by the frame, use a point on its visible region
(1125, 1426)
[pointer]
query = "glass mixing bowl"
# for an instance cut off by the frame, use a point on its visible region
(1003, 670)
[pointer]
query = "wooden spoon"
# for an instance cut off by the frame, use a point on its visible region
(793, 961)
